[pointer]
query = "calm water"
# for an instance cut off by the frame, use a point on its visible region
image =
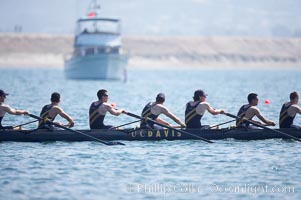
(181, 169)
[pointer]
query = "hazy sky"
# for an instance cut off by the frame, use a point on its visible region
(160, 17)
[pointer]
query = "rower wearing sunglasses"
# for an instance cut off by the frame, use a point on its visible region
(98, 110)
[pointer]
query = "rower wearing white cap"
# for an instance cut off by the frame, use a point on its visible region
(196, 109)
(152, 110)
(7, 109)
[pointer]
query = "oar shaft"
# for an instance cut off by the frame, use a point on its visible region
(25, 123)
(165, 126)
(127, 123)
(222, 123)
(75, 131)
(264, 127)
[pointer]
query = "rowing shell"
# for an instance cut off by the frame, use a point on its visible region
(41, 135)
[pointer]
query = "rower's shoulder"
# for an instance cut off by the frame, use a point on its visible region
(245, 106)
(106, 105)
(160, 107)
(3, 105)
(205, 103)
(193, 103)
(254, 109)
(151, 104)
(286, 104)
(49, 106)
(96, 103)
(56, 108)
(295, 106)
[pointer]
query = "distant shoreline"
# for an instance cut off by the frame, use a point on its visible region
(152, 52)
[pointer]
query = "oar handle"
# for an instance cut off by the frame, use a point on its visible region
(35, 117)
(131, 114)
(233, 116)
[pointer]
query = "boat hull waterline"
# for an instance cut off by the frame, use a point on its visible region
(102, 67)
(40, 135)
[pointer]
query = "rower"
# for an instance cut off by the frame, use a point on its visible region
(7, 109)
(288, 112)
(152, 110)
(50, 111)
(196, 109)
(98, 110)
(250, 110)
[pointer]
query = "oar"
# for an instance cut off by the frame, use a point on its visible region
(261, 126)
(74, 131)
(153, 121)
(213, 126)
(115, 127)
(25, 123)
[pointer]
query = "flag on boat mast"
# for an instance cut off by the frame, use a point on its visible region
(91, 14)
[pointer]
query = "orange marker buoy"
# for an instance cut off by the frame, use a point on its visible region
(267, 101)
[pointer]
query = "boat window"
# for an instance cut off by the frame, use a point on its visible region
(100, 50)
(115, 50)
(98, 26)
(90, 51)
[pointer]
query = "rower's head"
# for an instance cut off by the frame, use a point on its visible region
(199, 95)
(2, 95)
(55, 97)
(102, 95)
(160, 98)
(294, 97)
(253, 99)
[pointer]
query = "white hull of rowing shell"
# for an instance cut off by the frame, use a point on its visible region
(101, 66)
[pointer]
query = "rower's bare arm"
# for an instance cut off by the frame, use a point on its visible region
(298, 110)
(258, 122)
(265, 120)
(161, 121)
(113, 111)
(175, 119)
(15, 111)
(214, 111)
(65, 116)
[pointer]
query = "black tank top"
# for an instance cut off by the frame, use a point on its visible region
(146, 112)
(192, 118)
(241, 113)
(95, 119)
(285, 121)
(45, 115)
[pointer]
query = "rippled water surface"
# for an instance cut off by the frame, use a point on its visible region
(166, 169)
